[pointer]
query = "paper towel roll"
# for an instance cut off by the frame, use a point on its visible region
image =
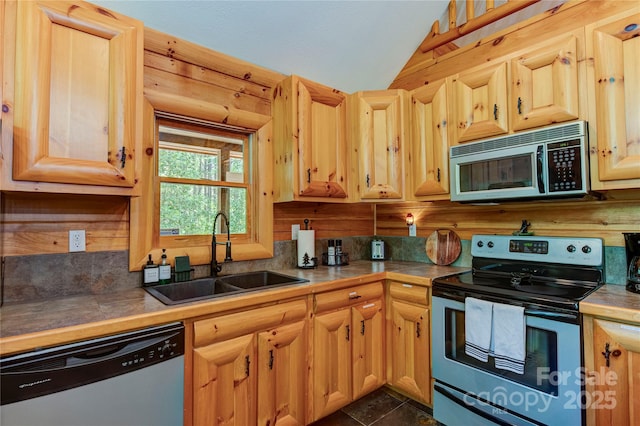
(306, 244)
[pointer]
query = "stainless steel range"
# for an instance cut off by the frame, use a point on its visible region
(507, 335)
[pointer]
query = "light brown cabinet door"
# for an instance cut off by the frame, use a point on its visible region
(310, 141)
(479, 103)
(614, 82)
(282, 369)
(411, 350)
(224, 383)
(544, 87)
(380, 128)
(367, 350)
(428, 159)
(613, 378)
(78, 91)
(331, 362)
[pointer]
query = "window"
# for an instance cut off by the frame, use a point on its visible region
(201, 172)
(199, 158)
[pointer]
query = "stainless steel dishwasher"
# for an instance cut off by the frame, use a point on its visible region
(130, 379)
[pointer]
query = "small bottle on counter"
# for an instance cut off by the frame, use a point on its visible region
(339, 252)
(331, 253)
(150, 273)
(164, 270)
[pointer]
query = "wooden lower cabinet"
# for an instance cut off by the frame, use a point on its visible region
(249, 368)
(612, 363)
(409, 334)
(224, 379)
(348, 347)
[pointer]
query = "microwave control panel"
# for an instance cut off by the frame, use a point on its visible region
(564, 161)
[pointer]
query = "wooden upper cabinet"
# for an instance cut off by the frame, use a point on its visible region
(544, 87)
(427, 171)
(380, 129)
(310, 142)
(78, 95)
(614, 83)
(479, 103)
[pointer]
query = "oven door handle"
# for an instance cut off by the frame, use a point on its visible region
(551, 315)
(468, 406)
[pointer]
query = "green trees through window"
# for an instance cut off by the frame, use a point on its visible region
(201, 172)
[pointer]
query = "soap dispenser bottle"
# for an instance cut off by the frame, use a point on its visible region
(164, 269)
(150, 273)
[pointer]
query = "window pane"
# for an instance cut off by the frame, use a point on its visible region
(189, 165)
(190, 209)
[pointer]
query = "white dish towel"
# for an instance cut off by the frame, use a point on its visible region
(509, 340)
(477, 328)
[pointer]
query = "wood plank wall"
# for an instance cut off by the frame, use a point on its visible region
(599, 219)
(328, 220)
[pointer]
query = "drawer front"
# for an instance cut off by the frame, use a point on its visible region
(348, 296)
(229, 326)
(410, 293)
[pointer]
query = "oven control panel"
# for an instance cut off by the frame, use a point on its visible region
(577, 251)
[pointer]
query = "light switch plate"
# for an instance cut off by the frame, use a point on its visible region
(77, 241)
(294, 231)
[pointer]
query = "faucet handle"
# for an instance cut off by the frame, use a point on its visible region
(227, 256)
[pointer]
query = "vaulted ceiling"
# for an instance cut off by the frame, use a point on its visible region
(349, 45)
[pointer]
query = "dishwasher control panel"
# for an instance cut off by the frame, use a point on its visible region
(42, 372)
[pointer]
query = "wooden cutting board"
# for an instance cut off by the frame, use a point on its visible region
(443, 247)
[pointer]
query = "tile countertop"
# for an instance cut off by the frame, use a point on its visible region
(613, 301)
(26, 326)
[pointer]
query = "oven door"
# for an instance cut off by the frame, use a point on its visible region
(549, 391)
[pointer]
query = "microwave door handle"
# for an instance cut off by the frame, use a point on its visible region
(540, 168)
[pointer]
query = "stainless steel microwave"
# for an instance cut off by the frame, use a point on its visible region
(549, 162)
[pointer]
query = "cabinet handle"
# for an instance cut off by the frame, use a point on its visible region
(519, 105)
(123, 157)
(495, 111)
(438, 174)
(247, 363)
(271, 359)
(308, 175)
(354, 296)
(616, 353)
(418, 330)
(367, 180)
(362, 327)
(347, 332)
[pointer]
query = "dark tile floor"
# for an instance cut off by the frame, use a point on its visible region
(383, 407)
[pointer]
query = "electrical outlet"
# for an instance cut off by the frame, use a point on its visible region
(77, 241)
(294, 231)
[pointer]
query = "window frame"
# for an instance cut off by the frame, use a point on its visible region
(144, 238)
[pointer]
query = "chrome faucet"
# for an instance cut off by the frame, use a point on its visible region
(215, 266)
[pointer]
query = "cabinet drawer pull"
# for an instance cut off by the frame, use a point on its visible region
(348, 331)
(247, 364)
(271, 359)
(354, 295)
(495, 111)
(367, 180)
(362, 327)
(438, 174)
(308, 175)
(418, 329)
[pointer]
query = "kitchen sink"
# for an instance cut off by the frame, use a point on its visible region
(259, 279)
(189, 291)
(210, 287)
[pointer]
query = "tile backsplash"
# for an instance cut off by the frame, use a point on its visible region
(37, 277)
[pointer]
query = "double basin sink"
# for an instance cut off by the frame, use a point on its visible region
(211, 287)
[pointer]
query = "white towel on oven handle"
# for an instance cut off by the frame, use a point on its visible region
(477, 328)
(508, 337)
